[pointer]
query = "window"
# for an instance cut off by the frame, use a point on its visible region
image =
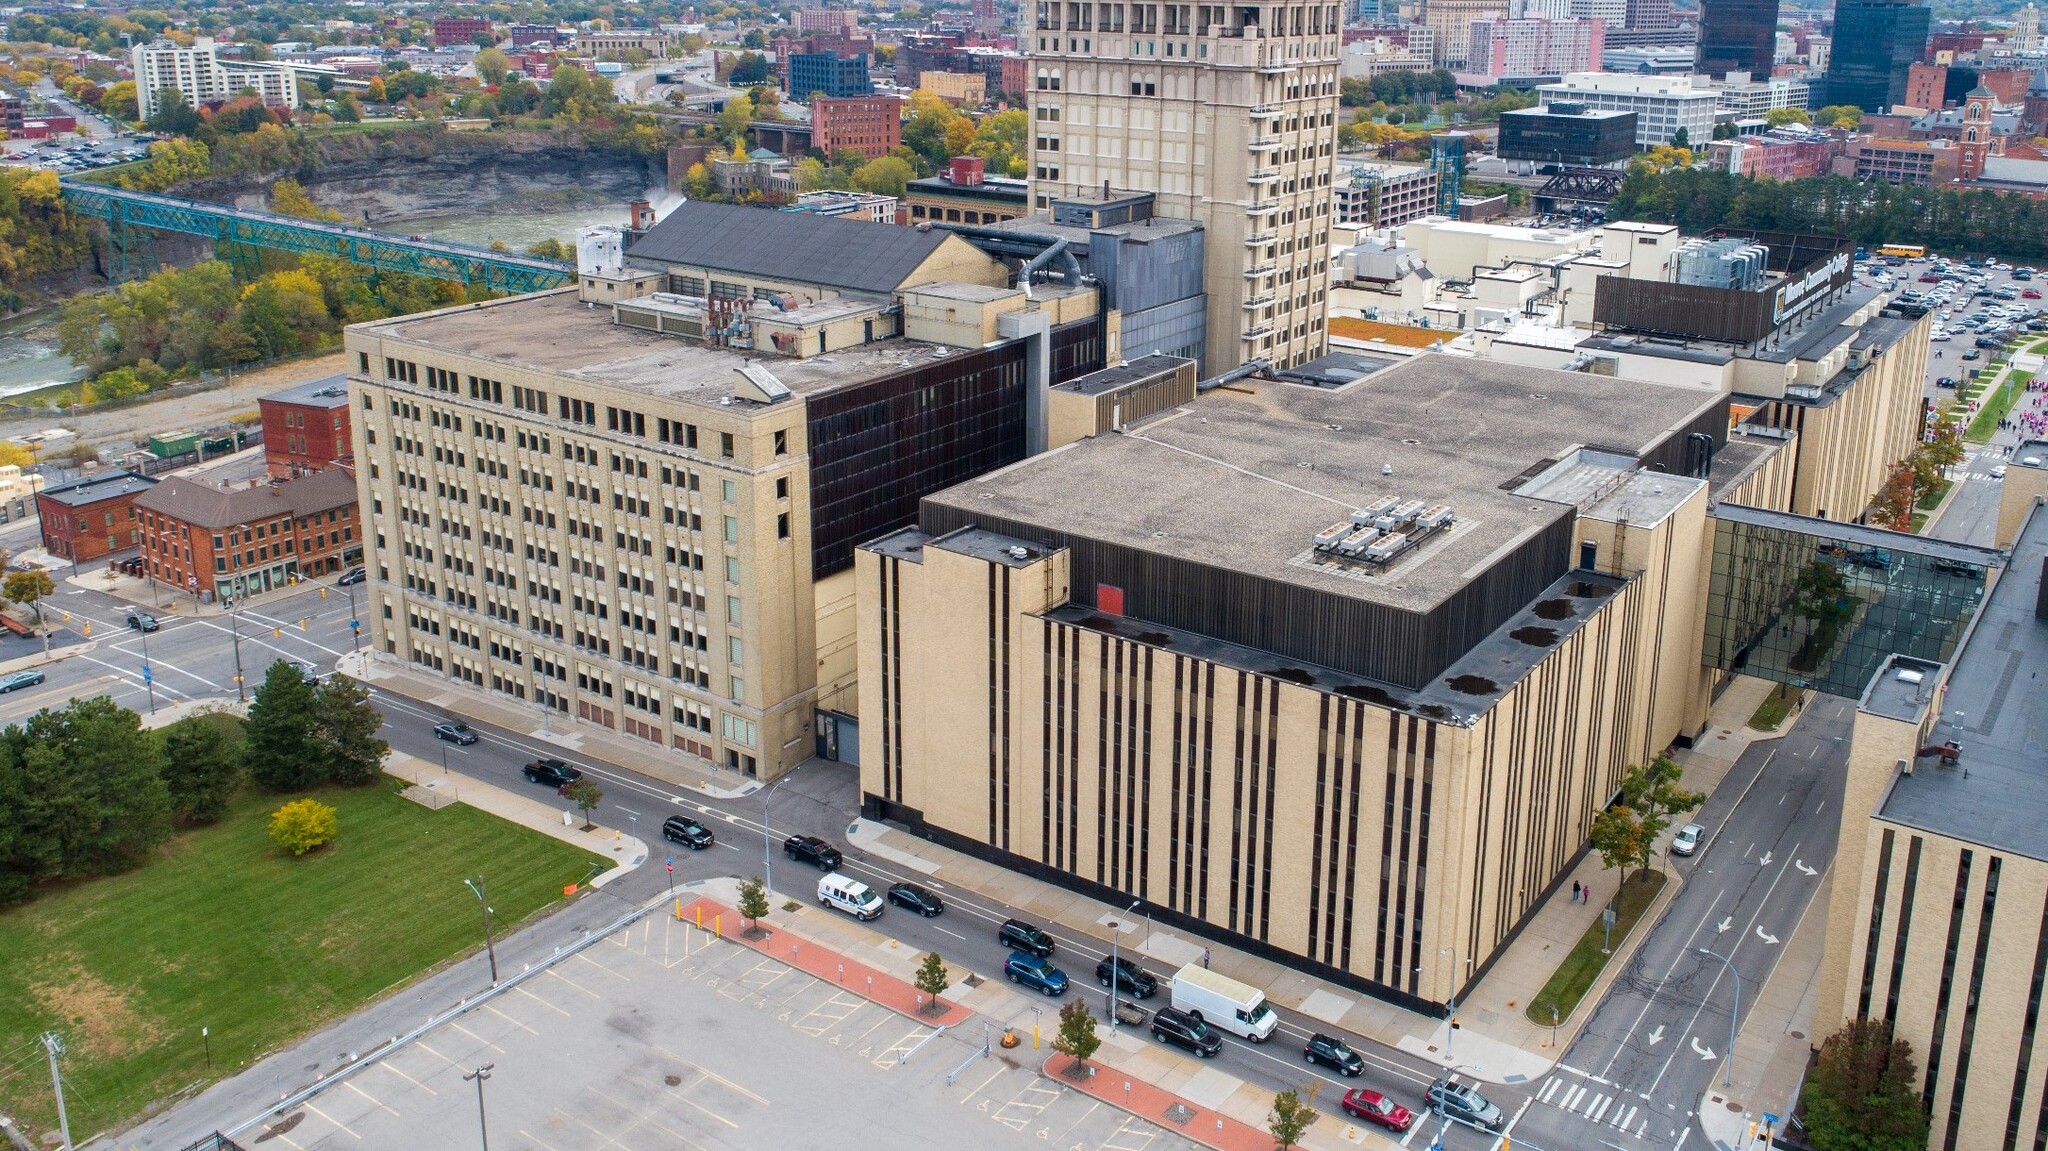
(782, 526)
(729, 491)
(732, 569)
(782, 441)
(732, 530)
(725, 445)
(732, 610)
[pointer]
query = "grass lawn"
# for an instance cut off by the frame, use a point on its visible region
(1934, 496)
(227, 931)
(1569, 983)
(1995, 406)
(1771, 713)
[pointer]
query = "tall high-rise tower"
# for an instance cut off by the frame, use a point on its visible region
(1875, 45)
(1737, 36)
(1228, 113)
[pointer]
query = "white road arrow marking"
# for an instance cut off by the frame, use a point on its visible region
(1657, 1035)
(1704, 1052)
(1804, 870)
(1726, 924)
(1766, 860)
(1761, 935)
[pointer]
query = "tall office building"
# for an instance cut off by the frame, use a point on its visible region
(1875, 45)
(1451, 22)
(1736, 36)
(201, 76)
(1229, 115)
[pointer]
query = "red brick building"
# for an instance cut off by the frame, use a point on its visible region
(12, 111)
(243, 542)
(458, 29)
(94, 517)
(305, 427)
(870, 125)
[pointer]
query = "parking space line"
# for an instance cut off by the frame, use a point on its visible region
(850, 1003)
(544, 1003)
(878, 1024)
(714, 1076)
(976, 1090)
(479, 1038)
(911, 1038)
(1125, 1128)
(708, 1111)
(1028, 1103)
(545, 1145)
(584, 956)
(493, 1009)
(351, 1085)
(388, 1065)
(556, 974)
(331, 1119)
(422, 1045)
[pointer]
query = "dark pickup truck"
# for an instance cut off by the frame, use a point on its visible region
(552, 772)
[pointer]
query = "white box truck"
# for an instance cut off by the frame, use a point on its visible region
(1221, 1001)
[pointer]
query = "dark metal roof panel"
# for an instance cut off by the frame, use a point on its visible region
(849, 255)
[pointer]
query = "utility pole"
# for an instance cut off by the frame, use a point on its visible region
(234, 628)
(148, 673)
(490, 948)
(767, 854)
(1728, 1072)
(1116, 971)
(55, 1047)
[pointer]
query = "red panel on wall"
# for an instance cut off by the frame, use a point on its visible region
(1109, 599)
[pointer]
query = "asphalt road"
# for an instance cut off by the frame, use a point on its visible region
(1972, 513)
(1634, 1076)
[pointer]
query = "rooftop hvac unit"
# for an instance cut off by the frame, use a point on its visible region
(1436, 517)
(1387, 548)
(1407, 512)
(1374, 510)
(1329, 536)
(1358, 541)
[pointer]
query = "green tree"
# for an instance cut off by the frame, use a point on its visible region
(174, 115)
(202, 757)
(1626, 832)
(347, 109)
(1077, 1038)
(118, 101)
(932, 979)
(884, 175)
(1860, 1096)
(86, 795)
(1000, 140)
(574, 94)
(733, 119)
(345, 728)
(1681, 139)
(1847, 116)
(552, 249)
(1779, 117)
(748, 68)
(492, 66)
(302, 825)
(1293, 1114)
(278, 746)
(288, 198)
(753, 902)
(28, 589)
(586, 796)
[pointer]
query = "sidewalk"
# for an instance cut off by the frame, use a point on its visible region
(434, 787)
(1771, 1049)
(674, 767)
(1156, 1083)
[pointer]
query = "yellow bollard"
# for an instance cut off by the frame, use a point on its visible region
(1034, 1036)
(716, 928)
(700, 917)
(679, 911)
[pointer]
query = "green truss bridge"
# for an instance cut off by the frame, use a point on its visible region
(236, 233)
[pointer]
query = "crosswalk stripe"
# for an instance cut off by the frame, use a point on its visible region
(1550, 1088)
(1599, 1110)
(1571, 1101)
(1623, 1119)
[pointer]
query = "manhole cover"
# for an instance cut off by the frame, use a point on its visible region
(1799, 1035)
(973, 980)
(1734, 1106)
(1179, 1114)
(672, 1080)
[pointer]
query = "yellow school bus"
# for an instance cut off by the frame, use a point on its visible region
(1903, 251)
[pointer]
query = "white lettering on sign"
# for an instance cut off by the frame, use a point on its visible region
(1790, 294)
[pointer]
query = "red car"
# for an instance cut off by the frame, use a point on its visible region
(2030, 293)
(1374, 1107)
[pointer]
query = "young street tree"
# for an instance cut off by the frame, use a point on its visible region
(585, 795)
(277, 740)
(1860, 1096)
(28, 589)
(202, 765)
(753, 903)
(932, 979)
(1292, 1115)
(1627, 832)
(1077, 1038)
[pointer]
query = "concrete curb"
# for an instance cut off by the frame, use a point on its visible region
(629, 852)
(1653, 915)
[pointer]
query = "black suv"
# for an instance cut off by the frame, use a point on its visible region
(686, 831)
(141, 621)
(1184, 1030)
(1022, 936)
(1130, 978)
(1333, 1053)
(552, 772)
(810, 849)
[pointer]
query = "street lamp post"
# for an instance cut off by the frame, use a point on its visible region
(355, 623)
(1116, 936)
(234, 629)
(767, 853)
(148, 675)
(490, 947)
(1451, 1008)
(478, 1076)
(1728, 1070)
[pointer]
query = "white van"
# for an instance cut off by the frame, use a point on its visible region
(849, 895)
(1217, 999)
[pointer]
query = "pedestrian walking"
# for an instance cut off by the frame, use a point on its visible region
(1205, 957)
(1575, 891)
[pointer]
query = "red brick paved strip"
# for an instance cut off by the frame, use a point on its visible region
(816, 959)
(1156, 1105)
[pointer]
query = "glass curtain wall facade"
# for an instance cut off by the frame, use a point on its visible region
(1738, 36)
(1875, 45)
(1824, 611)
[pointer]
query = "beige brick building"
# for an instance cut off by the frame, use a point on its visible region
(1229, 115)
(1938, 922)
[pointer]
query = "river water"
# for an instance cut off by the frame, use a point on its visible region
(29, 358)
